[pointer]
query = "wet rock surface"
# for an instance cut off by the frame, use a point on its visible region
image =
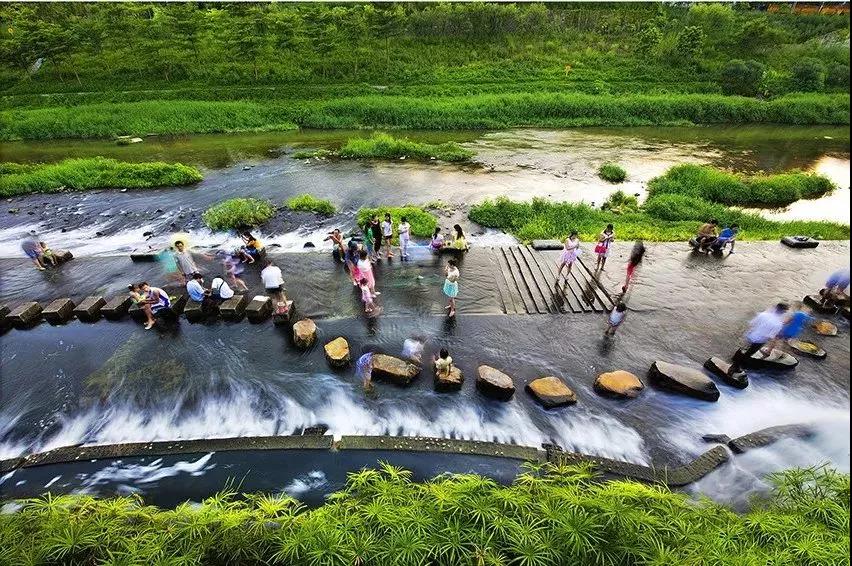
(337, 352)
(551, 392)
(305, 333)
(26, 315)
(776, 359)
(727, 372)
(89, 309)
(493, 383)
(393, 369)
(449, 381)
(619, 384)
(681, 379)
(59, 311)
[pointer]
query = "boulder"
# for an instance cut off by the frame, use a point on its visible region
(116, 307)
(4, 322)
(776, 359)
(146, 254)
(26, 315)
(807, 348)
(63, 256)
(716, 438)
(337, 352)
(684, 380)
(727, 372)
(393, 369)
(259, 309)
(449, 381)
(551, 392)
(233, 308)
(619, 384)
(815, 302)
(59, 311)
(89, 309)
(825, 328)
(542, 245)
(305, 333)
(494, 383)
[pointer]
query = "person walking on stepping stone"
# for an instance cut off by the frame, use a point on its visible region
(763, 329)
(451, 286)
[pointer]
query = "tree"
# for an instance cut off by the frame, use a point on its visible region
(689, 44)
(649, 39)
(715, 20)
(758, 34)
(744, 78)
(807, 75)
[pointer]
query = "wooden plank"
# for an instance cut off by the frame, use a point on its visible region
(578, 284)
(572, 301)
(592, 287)
(502, 293)
(504, 273)
(529, 279)
(515, 284)
(555, 298)
(601, 289)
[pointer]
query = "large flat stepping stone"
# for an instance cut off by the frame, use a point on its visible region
(116, 307)
(619, 384)
(493, 383)
(234, 308)
(726, 372)
(451, 381)
(25, 316)
(767, 436)
(89, 309)
(542, 245)
(551, 392)
(146, 254)
(59, 311)
(825, 328)
(815, 302)
(681, 379)
(305, 333)
(337, 352)
(178, 304)
(259, 309)
(776, 359)
(807, 348)
(136, 312)
(395, 370)
(195, 312)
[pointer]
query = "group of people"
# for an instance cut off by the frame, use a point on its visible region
(458, 242)
(38, 252)
(710, 239)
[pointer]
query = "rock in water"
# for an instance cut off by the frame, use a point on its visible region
(776, 359)
(305, 333)
(551, 392)
(494, 383)
(720, 438)
(683, 380)
(451, 381)
(25, 316)
(337, 352)
(393, 369)
(619, 383)
(807, 348)
(825, 328)
(721, 368)
(59, 311)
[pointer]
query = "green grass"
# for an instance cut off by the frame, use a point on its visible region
(715, 185)
(549, 516)
(311, 153)
(620, 202)
(422, 223)
(478, 111)
(384, 146)
(309, 203)
(238, 213)
(92, 173)
(612, 172)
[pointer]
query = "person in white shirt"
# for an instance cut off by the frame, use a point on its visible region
(404, 236)
(763, 329)
(273, 282)
(387, 233)
(220, 289)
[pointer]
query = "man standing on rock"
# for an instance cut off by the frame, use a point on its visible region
(762, 329)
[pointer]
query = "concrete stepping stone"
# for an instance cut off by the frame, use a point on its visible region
(234, 308)
(194, 312)
(116, 307)
(451, 381)
(551, 392)
(724, 370)
(337, 352)
(543, 245)
(89, 309)
(25, 316)
(305, 333)
(282, 313)
(777, 359)
(59, 311)
(493, 383)
(807, 348)
(137, 313)
(259, 309)
(681, 379)
(825, 328)
(619, 383)
(395, 370)
(178, 305)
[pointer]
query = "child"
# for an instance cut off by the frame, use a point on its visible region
(634, 262)
(451, 286)
(443, 363)
(616, 317)
(387, 233)
(570, 252)
(365, 269)
(47, 254)
(437, 241)
(367, 296)
(404, 237)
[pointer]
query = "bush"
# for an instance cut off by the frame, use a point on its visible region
(309, 203)
(620, 202)
(238, 213)
(838, 76)
(92, 173)
(744, 78)
(385, 146)
(807, 75)
(422, 223)
(612, 172)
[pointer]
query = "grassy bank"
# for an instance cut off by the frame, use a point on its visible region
(767, 191)
(238, 213)
(549, 516)
(309, 203)
(385, 146)
(422, 222)
(484, 111)
(92, 173)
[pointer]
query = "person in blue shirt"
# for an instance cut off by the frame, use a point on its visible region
(196, 290)
(727, 236)
(795, 323)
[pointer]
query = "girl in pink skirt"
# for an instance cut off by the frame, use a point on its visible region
(569, 254)
(365, 270)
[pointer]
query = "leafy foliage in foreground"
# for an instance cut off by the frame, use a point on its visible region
(238, 213)
(310, 203)
(422, 222)
(385, 146)
(549, 516)
(612, 172)
(92, 173)
(620, 202)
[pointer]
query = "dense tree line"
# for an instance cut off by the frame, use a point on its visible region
(114, 45)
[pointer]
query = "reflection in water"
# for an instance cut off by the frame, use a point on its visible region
(834, 206)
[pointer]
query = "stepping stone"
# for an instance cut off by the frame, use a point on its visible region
(305, 333)
(337, 352)
(259, 309)
(815, 302)
(452, 381)
(233, 308)
(194, 312)
(146, 254)
(395, 370)
(178, 304)
(25, 316)
(716, 438)
(825, 328)
(63, 256)
(89, 310)
(807, 348)
(680, 379)
(551, 392)
(282, 313)
(619, 384)
(776, 359)
(59, 311)
(116, 307)
(137, 313)
(541, 245)
(493, 383)
(722, 369)
(5, 324)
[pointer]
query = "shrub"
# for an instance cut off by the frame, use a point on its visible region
(422, 223)
(612, 172)
(309, 203)
(689, 44)
(385, 146)
(744, 78)
(238, 213)
(620, 202)
(92, 173)
(838, 76)
(807, 75)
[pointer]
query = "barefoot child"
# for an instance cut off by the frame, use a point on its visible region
(47, 253)
(443, 363)
(367, 296)
(616, 317)
(387, 233)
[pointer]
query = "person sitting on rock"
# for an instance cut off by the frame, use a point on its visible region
(339, 251)
(835, 288)
(707, 234)
(47, 254)
(437, 241)
(459, 241)
(728, 236)
(273, 282)
(156, 300)
(252, 246)
(197, 292)
(443, 363)
(220, 290)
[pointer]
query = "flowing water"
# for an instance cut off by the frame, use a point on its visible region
(112, 382)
